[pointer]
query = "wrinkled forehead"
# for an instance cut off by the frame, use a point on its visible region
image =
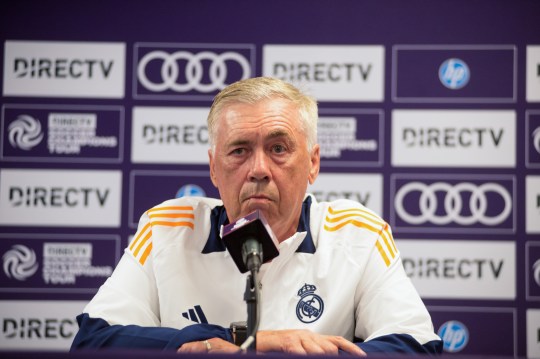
(261, 113)
(267, 113)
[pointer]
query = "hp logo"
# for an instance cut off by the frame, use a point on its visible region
(454, 74)
(536, 271)
(190, 190)
(454, 335)
(536, 139)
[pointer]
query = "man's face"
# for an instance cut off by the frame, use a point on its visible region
(261, 161)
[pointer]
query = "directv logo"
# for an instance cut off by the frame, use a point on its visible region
(454, 335)
(454, 74)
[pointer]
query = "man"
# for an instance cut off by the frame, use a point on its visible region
(177, 288)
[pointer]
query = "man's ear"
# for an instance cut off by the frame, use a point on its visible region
(315, 158)
(212, 171)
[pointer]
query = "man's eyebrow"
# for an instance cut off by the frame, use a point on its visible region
(271, 135)
(239, 142)
(278, 133)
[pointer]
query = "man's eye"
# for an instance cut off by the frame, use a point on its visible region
(279, 148)
(238, 151)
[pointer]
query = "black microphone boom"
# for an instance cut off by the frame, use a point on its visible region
(251, 242)
(250, 239)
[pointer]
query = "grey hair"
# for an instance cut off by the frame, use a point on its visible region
(254, 90)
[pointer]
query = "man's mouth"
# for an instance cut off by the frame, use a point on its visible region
(258, 197)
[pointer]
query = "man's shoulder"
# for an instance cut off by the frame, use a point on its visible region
(343, 205)
(180, 218)
(189, 203)
(344, 214)
(183, 212)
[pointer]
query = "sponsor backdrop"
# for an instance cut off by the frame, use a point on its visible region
(429, 115)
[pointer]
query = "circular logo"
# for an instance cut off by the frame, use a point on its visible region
(190, 190)
(454, 74)
(536, 139)
(309, 308)
(179, 78)
(453, 203)
(20, 262)
(454, 335)
(536, 271)
(25, 132)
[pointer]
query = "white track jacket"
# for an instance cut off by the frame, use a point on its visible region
(340, 274)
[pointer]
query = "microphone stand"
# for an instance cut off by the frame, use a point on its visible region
(251, 296)
(253, 256)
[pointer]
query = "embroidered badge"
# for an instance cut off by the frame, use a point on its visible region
(311, 306)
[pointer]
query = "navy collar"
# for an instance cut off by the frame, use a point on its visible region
(218, 218)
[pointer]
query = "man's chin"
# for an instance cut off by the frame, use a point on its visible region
(264, 209)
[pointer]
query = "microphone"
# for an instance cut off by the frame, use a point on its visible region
(252, 254)
(250, 241)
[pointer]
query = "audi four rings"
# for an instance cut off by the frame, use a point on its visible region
(453, 203)
(193, 71)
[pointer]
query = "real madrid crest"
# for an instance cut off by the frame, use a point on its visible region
(311, 306)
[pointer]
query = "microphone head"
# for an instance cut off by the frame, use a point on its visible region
(252, 226)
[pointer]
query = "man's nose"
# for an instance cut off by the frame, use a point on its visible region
(260, 166)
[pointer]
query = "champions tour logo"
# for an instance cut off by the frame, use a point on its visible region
(19, 262)
(62, 263)
(25, 132)
(67, 133)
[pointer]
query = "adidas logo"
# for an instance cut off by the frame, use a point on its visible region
(196, 315)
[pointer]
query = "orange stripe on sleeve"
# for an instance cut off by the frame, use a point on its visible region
(173, 224)
(145, 254)
(171, 208)
(141, 244)
(353, 222)
(387, 231)
(358, 217)
(392, 240)
(138, 237)
(382, 253)
(388, 245)
(358, 212)
(334, 212)
(172, 215)
(337, 219)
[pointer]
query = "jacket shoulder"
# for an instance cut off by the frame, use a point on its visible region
(343, 214)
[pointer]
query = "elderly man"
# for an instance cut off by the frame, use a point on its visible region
(177, 288)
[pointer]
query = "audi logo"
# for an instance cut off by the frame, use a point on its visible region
(185, 65)
(453, 203)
